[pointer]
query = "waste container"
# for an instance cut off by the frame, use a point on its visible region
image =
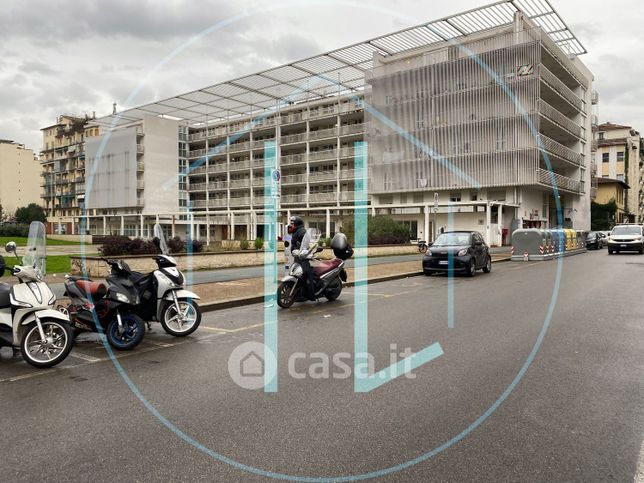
(528, 244)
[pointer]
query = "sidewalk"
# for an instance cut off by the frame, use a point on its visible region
(235, 293)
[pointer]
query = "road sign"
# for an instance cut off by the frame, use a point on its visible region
(276, 178)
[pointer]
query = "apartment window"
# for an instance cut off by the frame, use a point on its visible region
(455, 197)
(620, 156)
(605, 157)
(601, 136)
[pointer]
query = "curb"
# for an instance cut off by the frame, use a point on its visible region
(240, 302)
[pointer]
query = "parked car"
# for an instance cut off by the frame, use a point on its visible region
(604, 235)
(594, 240)
(458, 252)
(626, 238)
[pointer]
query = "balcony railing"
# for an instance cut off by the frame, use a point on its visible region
(559, 87)
(294, 179)
(217, 185)
(545, 177)
(558, 118)
(196, 153)
(198, 170)
(293, 199)
(348, 174)
(260, 143)
(293, 158)
(559, 150)
(234, 147)
(293, 138)
(258, 181)
(239, 183)
(217, 202)
(323, 133)
(594, 97)
(352, 129)
(198, 186)
(322, 176)
(294, 117)
(218, 168)
(331, 196)
(323, 111)
(240, 201)
(239, 165)
(326, 154)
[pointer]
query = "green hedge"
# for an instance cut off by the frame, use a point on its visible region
(381, 230)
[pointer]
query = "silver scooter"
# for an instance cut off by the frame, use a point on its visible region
(27, 317)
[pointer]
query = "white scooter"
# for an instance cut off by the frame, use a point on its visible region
(162, 296)
(27, 317)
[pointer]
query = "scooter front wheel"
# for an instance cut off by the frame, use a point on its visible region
(286, 294)
(51, 350)
(183, 323)
(128, 336)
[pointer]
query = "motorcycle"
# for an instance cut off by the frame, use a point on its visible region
(162, 296)
(328, 274)
(27, 317)
(88, 299)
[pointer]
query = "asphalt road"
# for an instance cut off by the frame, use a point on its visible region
(576, 414)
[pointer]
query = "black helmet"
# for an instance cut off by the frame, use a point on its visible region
(294, 222)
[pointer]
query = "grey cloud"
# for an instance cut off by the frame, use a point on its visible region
(35, 67)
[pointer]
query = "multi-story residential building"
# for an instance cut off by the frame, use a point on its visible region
(63, 172)
(489, 132)
(621, 154)
(19, 175)
(609, 190)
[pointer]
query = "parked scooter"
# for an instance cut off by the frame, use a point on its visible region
(88, 299)
(27, 317)
(329, 274)
(161, 293)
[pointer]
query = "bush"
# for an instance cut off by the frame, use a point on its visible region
(381, 230)
(29, 213)
(228, 245)
(176, 245)
(122, 245)
(197, 246)
(244, 244)
(12, 229)
(259, 243)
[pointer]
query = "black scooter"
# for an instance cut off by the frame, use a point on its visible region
(113, 307)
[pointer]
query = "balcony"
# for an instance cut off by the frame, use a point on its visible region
(293, 138)
(240, 201)
(217, 185)
(293, 118)
(293, 198)
(352, 129)
(323, 134)
(199, 170)
(558, 150)
(199, 203)
(240, 183)
(321, 155)
(139, 148)
(563, 183)
(323, 112)
(348, 174)
(347, 152)
(594, 97)
(294, 178)
(236, 147)
(558, 118)
(329, 197)
(293, 158)
(196, 153)
(140, 166)
(239, 165)
(322, 176)
(140, 184)
(197, 187)
(258, 181)
(260, 143)
(218, 168)
(217, 203)
(559, 87)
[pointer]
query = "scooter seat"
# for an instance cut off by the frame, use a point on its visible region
(96, 289)
(326, 266)
(5, 290)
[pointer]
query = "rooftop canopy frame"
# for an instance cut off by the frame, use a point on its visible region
(339, 71)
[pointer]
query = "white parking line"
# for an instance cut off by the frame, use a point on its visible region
(84, 357)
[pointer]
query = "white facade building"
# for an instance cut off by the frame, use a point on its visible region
(448, 106)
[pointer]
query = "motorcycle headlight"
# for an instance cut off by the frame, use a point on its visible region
(297, 271)
(167, 280)
(122, 298)
(462, 253)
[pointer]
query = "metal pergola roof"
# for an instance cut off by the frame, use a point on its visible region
(342, 70)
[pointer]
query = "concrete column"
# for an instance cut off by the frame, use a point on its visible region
(104, 225)
(141, 219)
(192, 226)
(231, 235)
(207, 229)
(73, 226)
(248, 227)
(426, 236)
(122, 225)
(488, 223)
(197, 231)
(328, 223)
(173, 227)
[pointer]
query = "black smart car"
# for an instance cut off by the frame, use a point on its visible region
(457, 252)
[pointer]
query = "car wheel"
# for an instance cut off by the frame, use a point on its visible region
(488, 265)
(471, 269)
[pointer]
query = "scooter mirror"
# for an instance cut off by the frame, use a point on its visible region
(10, 247)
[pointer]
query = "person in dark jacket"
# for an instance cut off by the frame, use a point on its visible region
(297, 231)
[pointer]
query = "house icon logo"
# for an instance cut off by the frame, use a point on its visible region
(247, 364)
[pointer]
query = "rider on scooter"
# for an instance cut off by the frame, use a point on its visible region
(297, 231)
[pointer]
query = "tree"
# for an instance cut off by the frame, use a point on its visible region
(29, 213)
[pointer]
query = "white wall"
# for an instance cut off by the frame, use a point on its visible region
(161, 158)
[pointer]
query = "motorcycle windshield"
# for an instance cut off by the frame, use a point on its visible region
(311, 236)
(36, 255)
(158, 233)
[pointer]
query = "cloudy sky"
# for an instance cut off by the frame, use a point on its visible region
(79, 56)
